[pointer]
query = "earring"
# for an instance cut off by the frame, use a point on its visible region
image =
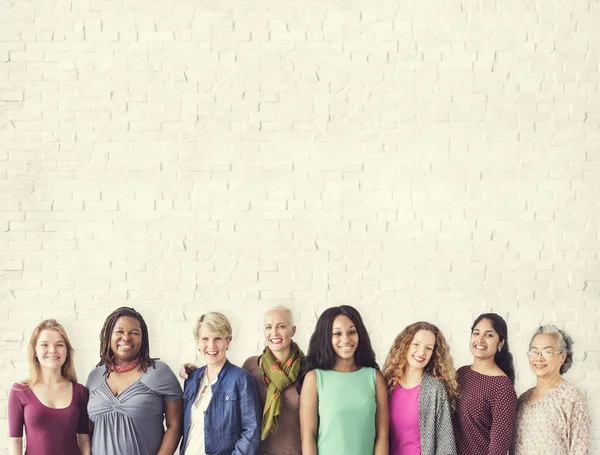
(499, 349)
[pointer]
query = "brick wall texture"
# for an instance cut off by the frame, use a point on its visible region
(418, 160)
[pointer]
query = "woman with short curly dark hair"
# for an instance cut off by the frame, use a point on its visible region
(553, 416)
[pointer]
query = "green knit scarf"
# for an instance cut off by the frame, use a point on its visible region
(277, 377)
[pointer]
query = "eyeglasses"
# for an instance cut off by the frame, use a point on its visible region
(546, 353)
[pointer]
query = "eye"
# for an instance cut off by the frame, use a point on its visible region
(430, 349)
(352, 332)
(337, 334)
(268, 327)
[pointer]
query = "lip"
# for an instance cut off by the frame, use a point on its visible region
(125, 347)
(418, 359)
(276, 340)
(345, 348)
(479, 346)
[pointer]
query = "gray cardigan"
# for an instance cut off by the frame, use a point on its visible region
(435, 422)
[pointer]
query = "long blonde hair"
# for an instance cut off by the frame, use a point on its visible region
(440, 365)
(35, 370)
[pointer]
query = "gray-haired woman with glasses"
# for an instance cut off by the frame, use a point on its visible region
(552, 417)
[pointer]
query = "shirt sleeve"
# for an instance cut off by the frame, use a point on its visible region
(83, 424)
(16, 415)
(251, 415)
(163, 382)
(579, 443)
(444, 433)
(504, 407)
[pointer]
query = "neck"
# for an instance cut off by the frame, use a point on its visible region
(412, 377)
(345, 365)
(51, 377)
(213, 370)
(282, 355)
(484, 365)
(544, 383)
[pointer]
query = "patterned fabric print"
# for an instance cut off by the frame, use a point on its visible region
(485, 413)
(277, 377)
(435, 423)
(558, 424)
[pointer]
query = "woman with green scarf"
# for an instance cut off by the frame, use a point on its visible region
(276, 371)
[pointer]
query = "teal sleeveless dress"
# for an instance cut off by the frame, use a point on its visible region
(347, 405)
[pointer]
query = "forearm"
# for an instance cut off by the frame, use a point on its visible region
(15, 446)
(381, 446)
(170, 440)
(84, 444)
(309, 446)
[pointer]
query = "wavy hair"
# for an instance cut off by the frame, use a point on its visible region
(35, 371)
(320, 350)
(440, 366)
(106, 353)
(503, 358)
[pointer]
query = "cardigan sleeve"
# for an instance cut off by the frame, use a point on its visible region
(444, 434)
(504, 409)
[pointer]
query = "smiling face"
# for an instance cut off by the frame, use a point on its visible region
(51, 350)
(213, 347)
(344, 337)
(485, 341)
(542, 367)
(126, 340)
(277, 330)
(421, 349)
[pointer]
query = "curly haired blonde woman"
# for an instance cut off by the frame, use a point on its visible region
(421, 381)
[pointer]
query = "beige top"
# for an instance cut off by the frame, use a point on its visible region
(195, 442)
(558, 424)
(286, 441)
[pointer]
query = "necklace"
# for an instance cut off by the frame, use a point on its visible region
(126, 366)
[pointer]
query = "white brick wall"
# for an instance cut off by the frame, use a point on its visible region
(419, 160)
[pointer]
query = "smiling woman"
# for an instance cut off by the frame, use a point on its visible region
(485, 411)
(51, 405)
(343, 401)
(131, 393)
(221, 404)
(553, 416)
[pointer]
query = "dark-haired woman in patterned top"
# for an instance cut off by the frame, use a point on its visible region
(485, 413)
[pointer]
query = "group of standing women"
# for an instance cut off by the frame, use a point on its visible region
(336, 400)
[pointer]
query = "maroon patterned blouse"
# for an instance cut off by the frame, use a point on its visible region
(484, 420)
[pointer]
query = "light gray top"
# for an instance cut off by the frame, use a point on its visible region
(132, 422)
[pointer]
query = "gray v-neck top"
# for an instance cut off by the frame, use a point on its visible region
(132, 422)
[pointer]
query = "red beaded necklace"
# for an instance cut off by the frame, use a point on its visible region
(126, 366)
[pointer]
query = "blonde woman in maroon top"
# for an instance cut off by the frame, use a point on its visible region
(51, 405)
(484, 420)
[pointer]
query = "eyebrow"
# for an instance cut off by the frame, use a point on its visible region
(340, 328)
(545, 347)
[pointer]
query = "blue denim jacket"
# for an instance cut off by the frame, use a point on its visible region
(233, 418)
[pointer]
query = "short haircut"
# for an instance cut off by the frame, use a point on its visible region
(289, 316)
(565, 343)
(215, 322)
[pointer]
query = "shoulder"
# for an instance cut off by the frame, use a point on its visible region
(20, 387)
(95, 377)
(80, 390)
(159, 372)
(432, 383)
(572, 393)
(237, 373)
(251, 363)
(19, 391)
